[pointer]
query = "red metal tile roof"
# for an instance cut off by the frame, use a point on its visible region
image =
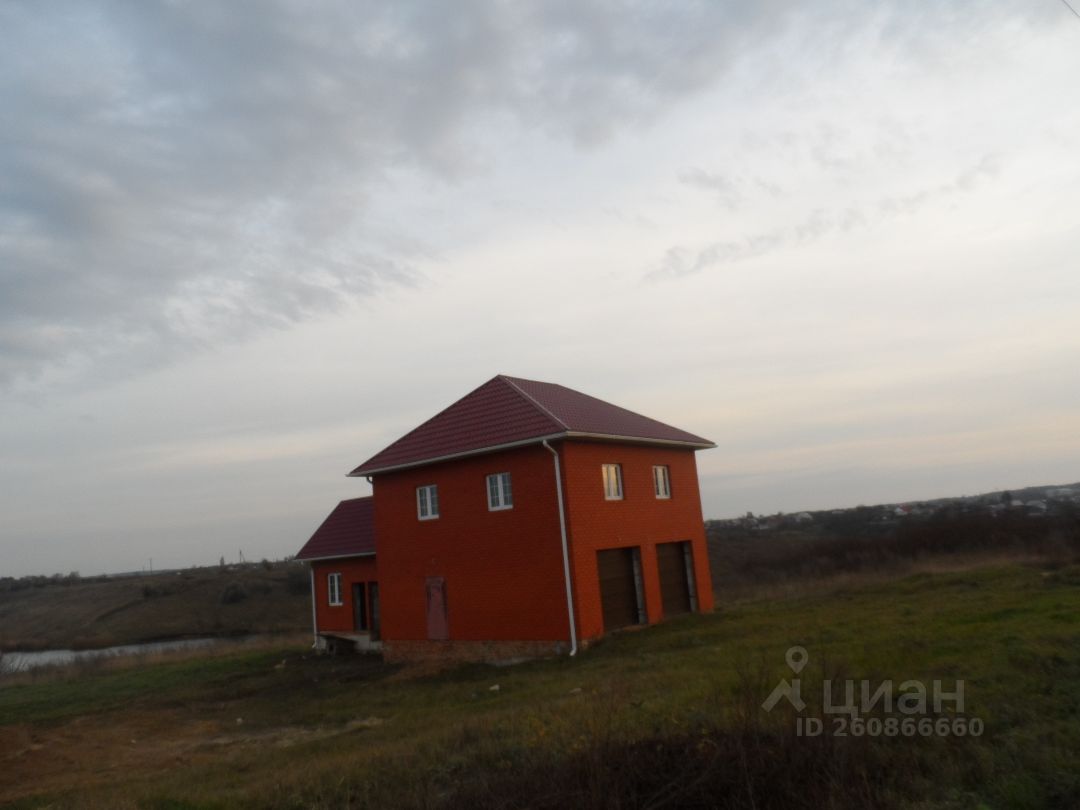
(348, 531)
(509, 410)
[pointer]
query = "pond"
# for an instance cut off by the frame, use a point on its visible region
(22, 661)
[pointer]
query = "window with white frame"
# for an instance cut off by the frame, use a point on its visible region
(427, 502)
(499, 494)
(333, 589)
(661, 481)
(612, 482)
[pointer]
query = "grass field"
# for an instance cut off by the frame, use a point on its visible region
(667, 716)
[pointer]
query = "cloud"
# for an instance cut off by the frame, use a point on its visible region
(971, 178)
(181, 174)
(729, 190)
(679, 261)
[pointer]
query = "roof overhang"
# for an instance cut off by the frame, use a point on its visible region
(337, 556)
(360, 472)
(607, 437)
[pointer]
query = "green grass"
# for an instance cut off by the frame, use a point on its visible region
(353, 732)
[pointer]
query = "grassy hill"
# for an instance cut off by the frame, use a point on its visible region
(75, 613)
(668, 716)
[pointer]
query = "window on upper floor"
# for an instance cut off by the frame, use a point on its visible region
(427, 502)
(661, 477)
(499, 494)
(333, 589)
(612, 482)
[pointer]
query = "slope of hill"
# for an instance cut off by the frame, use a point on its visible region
(68, 612)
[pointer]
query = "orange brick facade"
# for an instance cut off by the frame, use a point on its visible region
(503, 570)
(339, 618)
(639, 519)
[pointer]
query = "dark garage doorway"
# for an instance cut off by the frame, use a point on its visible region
(621, 596)
(675, 563)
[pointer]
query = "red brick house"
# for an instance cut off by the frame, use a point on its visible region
(525, 519)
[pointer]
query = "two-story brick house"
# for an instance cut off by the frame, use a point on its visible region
(525, 519)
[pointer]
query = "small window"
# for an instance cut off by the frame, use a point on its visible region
(427, 502)
(613, 482)
(333, 583)
(661, 481)
(499, 493)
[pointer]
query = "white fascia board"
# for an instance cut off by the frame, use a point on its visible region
(570, 434)
(337, 557)
(451, 456)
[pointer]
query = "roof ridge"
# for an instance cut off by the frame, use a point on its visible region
(511, 382)
(427, 421)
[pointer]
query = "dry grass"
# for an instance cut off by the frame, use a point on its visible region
(88, 614)
(747, 564)
(95, 665)
(738, 592)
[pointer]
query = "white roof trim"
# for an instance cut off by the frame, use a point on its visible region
(569, 434)
(463, 454)
(611, 437)
(336, 557)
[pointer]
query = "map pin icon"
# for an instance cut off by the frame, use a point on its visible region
(797, 658)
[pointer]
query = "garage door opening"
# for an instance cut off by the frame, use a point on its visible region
(621, 597)
(675, 562)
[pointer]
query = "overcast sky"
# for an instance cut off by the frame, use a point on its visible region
(244, 246)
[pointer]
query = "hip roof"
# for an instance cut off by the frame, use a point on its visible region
(509, 411)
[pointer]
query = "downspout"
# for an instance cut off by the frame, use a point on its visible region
(565, 549)
(314, 620)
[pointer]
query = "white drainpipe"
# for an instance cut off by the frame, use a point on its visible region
(565, 550)
(314, 620)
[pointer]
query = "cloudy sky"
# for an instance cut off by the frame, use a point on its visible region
(243, 246)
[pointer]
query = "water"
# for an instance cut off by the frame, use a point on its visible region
(23, 661)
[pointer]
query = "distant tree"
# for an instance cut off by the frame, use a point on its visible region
(1007, 498)
(234, 592)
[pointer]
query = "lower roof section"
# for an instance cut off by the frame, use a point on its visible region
(348, 531)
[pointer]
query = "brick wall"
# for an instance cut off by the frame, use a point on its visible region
(354, 569)
(503, 569)
(640, 519)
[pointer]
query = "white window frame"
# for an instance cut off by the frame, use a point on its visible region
(661, 476)
(612, 473)
(427, 502)
(499, 485)
(333, 589)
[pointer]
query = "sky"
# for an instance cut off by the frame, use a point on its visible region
(246, 245)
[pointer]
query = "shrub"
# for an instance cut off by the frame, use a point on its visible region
(234, 592)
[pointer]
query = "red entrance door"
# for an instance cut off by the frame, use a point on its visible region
(437, 625)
